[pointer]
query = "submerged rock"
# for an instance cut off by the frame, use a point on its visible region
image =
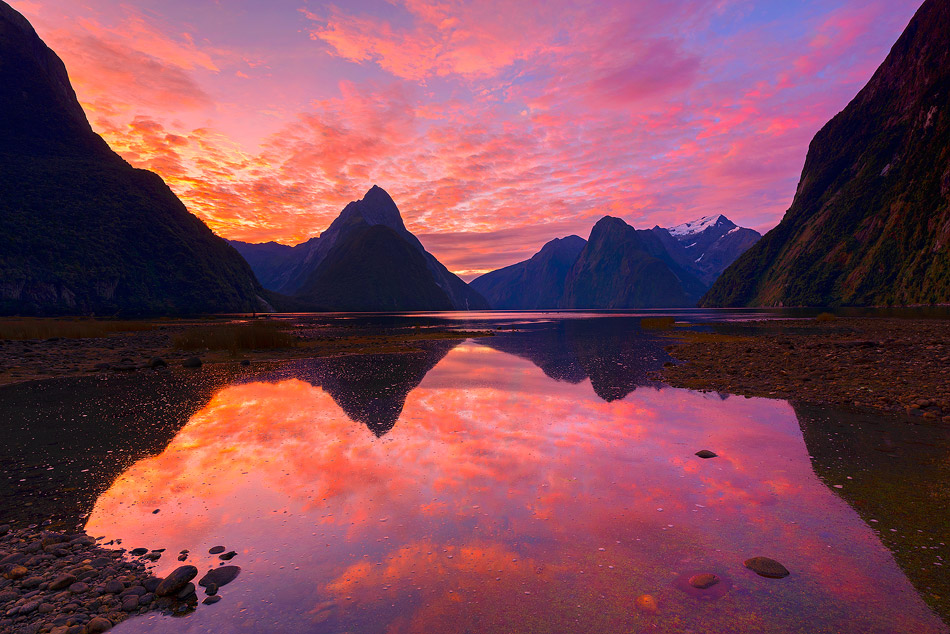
(647, 603)
(766, 567)
(219, 576)
(703, 580)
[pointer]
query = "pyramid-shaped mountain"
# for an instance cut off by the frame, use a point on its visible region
(870, 221)
(81, 230)
(366, 260)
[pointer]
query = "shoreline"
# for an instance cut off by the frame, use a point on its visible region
(24, 360)
(872, 364)
(67, 583)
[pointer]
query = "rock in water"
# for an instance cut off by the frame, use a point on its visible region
(704, 580)
(157, 362)
(215, 550)
(705, 453)
(220, 576)
(177, 580)
(192, 362)
(766, 567)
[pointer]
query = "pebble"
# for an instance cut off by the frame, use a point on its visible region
(228, 556)
(114, 586)
(211, 600)
(216, 550)
(98, 624)
(766, 567)
(705, 454)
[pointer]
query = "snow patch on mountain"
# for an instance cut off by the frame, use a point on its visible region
(695, 226)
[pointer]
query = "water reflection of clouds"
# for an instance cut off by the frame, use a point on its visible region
(489, 503)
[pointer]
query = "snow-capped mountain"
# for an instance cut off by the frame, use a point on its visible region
(710, 244)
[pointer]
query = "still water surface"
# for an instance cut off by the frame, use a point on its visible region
(536, 481)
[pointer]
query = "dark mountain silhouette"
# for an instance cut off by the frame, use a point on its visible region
(372, 388)
(81, 230)
(615, 271)
(372, 269)
(301, 271)
(870, 222)
(535, 283)
(709, 244)
(608, 351)
(695, 256)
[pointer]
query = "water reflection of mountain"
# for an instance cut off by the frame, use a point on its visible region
(66, 441)
(372, 388)
(613, 353)
(894, 474)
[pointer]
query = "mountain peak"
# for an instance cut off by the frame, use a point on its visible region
(376, 207)
(698, 226)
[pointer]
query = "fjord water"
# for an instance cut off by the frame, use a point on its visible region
(534, 481)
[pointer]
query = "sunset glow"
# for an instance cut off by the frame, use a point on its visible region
(494, 125)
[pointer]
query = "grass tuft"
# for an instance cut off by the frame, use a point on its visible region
(42, 328)
(255, 335)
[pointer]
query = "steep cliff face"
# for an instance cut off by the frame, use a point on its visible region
(81, 231)
(870, 221)
(536, 283)
(615, 271)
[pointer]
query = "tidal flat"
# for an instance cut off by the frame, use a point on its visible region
(499, 472)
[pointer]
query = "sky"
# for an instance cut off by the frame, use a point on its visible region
(495, 125)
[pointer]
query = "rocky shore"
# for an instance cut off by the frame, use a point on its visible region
(154, 349)
(61, 583)
(871, 364)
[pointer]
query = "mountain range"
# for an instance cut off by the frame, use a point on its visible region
(620, 267)
(870, 221)
(81, 230)
(366, 260)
